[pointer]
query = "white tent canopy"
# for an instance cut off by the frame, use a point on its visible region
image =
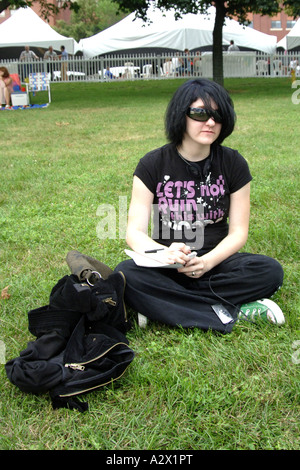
(191, 32)
(292, 39)
(25, 27)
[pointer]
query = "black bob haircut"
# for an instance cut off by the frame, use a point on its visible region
(185, 95)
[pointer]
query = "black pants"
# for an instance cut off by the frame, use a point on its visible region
(169, 297)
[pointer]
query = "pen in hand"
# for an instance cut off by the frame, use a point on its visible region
(154, 251)
(160, 249)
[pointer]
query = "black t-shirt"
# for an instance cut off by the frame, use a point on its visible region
(189, 208)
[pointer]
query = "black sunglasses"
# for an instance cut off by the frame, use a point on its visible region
(202, 114)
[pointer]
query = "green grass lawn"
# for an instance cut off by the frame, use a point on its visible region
(185, 390)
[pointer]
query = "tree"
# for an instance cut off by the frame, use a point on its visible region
(46, 8)
(230, 9)
(92, 17)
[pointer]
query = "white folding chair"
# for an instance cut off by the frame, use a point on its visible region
(168, 69)
(262, 67)
(277, 67)
(39, 82)
(147, 70)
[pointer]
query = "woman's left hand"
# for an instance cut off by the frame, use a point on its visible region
(195, 267)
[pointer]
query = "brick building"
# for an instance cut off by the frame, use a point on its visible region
(279, 25)
(62, 15)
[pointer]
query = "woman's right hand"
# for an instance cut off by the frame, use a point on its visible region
(177, 253)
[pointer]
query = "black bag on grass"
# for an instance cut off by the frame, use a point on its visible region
(80, 341)
(87, 268)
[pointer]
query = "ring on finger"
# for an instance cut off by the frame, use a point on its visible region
(193, 273)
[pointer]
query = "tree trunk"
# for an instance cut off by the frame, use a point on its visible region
(218, 75)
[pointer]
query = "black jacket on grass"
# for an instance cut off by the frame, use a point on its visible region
(80, 341)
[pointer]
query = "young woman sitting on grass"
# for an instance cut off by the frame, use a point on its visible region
(200, 193)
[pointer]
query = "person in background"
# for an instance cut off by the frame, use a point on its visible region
(50, 55)
(293, 68)
(6, 87)
(188, 65)
(197, 63)
(108, 74)
(27, 56)
(64, 63)
(233, 47)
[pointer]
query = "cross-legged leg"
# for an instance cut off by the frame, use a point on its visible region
(169, 297)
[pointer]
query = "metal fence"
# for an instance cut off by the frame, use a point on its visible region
(162, 66)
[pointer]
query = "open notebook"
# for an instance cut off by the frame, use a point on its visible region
(152, 260)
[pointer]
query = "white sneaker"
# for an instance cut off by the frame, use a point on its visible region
(264, 309)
